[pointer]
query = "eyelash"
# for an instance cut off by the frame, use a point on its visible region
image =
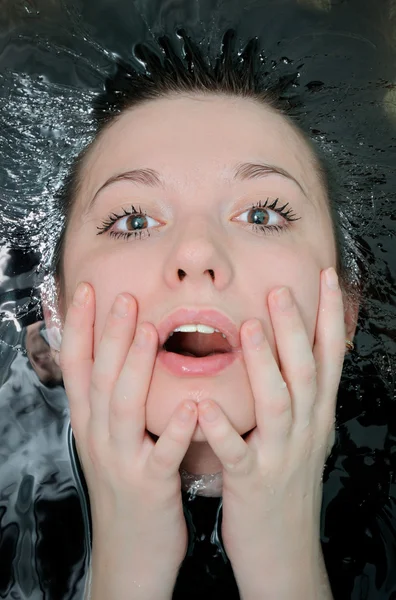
(288, 215)
(113, 218)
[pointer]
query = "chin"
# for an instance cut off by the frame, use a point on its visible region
(199, 435)
(230, 390)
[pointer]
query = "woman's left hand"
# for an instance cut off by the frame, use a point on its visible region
(272, 480)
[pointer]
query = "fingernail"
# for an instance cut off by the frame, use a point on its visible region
(284, 298)
(331, 278)
(256, 334)
(186, 412)
(142, 337)
(120, 307)
(208, 411)
(81, 295)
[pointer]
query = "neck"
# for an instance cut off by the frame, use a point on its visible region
(201, 460)
(201, 471)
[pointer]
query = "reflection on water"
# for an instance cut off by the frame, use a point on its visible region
(44, 507)
(40, 514)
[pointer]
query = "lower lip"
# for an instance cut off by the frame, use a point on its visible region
(185, 366)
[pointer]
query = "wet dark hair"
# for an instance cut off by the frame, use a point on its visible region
(243, 74)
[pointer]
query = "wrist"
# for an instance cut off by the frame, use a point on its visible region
(133, 566)
(140, 576)
(133, 561)
(272, 579)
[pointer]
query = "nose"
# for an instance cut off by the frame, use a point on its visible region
(199, 258)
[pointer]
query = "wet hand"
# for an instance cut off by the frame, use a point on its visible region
(139, 531)
(272, 479)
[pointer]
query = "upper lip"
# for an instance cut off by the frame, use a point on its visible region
(210, 317)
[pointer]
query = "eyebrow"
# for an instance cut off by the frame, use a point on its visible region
(243, 171)
(258, 170)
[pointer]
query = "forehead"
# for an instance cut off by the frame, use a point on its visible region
(191, 139)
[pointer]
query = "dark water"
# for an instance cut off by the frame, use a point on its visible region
(54, 57)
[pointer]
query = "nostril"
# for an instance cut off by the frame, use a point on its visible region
(181, 274)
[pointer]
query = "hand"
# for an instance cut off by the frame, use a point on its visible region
(139, 530)
(272, 480)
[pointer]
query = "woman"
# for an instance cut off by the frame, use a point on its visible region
(203, 324)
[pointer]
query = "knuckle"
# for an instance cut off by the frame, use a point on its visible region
(279, 406)
(69, 365)
(101, 382)
(307, 372)
(221, 433)
(239, 461)
(176, 433)
(162, 461)
(120, 408)
(136, 360)
(115, 330)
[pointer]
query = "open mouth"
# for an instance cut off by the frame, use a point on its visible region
(197, 344)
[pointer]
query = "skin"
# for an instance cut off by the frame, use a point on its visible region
(189, 140)
(282, 390)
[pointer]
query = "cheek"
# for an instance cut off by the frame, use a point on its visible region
(109, 273)
(299, 271)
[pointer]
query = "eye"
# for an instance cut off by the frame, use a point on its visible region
(263, 217)
(260, 216)
(134, 223)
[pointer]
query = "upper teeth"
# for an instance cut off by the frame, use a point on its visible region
(192, 328)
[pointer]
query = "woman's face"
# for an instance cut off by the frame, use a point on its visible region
(208, 248)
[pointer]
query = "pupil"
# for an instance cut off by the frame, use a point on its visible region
(137, 222)
(258, 216)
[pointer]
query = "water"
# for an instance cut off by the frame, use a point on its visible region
(54, 56)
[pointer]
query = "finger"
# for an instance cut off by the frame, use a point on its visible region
(110, 357)
(272, 399)
(167, 454)
(127, 409)
(75, 358)
(329, 349)
(295, 354)
(229, 447)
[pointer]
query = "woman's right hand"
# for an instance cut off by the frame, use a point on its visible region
(139, 530)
